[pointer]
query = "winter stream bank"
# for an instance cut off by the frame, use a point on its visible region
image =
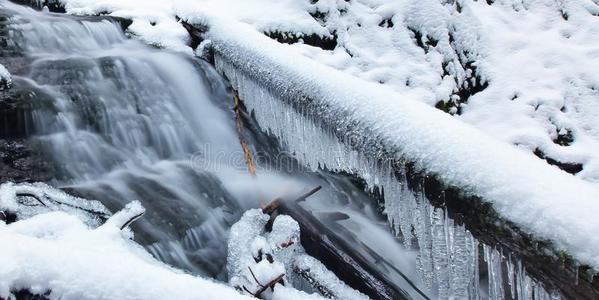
(110, 119)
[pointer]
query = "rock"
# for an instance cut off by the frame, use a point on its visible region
(17, 108)
(19, 162)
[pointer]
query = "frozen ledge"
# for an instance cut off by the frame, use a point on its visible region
(540, 199)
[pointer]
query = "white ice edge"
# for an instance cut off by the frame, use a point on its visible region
(539, 198)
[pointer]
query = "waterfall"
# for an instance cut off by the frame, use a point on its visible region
(122, 121)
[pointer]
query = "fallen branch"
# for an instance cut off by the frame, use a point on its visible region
(270, 284)
(339, 255)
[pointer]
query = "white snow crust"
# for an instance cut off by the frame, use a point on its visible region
(58, 253)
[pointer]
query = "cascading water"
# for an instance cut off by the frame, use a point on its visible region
(121, 121)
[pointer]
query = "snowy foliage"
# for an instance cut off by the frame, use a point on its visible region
(66, 254)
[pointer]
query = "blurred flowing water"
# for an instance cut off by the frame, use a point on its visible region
(122, 121)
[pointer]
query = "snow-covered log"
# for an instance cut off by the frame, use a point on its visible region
(366, 117)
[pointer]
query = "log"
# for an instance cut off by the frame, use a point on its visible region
(339, 256)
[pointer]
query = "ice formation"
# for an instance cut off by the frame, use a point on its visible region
(552, 98)
(449, 255)
(465, 57)
(459, 155)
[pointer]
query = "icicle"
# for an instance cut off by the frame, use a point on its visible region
(439, 253)
(448, 255)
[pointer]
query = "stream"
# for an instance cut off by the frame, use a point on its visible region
(117, 120)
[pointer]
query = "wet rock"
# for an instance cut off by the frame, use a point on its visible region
(21, 162)
(18, 107)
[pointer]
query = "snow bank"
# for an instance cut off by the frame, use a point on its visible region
(153, 20)
(522, 72)
(257, 257)
(56, 252)
(5, 78)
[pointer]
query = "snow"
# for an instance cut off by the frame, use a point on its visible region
(28, 199)
(5, 78)
(556, 91)
(153, 20)
(285, 293)
(58, 252)
(399, 80)
(257, 257)
(518, 185)
(460, 42)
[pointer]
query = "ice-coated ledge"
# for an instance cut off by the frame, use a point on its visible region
(539, 198)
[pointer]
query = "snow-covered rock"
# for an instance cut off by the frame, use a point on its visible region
(257, 257)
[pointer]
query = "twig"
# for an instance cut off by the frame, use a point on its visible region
(246, 152)
(308, 194)
(271, 207)
(32, 196)
(131, 220)
(255, 279)
(276, 203)
(269, 285)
